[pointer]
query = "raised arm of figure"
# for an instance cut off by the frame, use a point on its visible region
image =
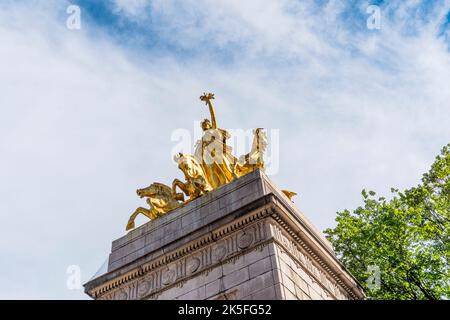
(207, 97)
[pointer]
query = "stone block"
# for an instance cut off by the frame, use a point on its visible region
(288, 283)
(314, 294)
(233, 265)
(235, 278)
(289, 295)
(316, 287)
(196, 294)
(213, 288)
(268, 293)
(277, 276)
(239, 291)
(300, 283)
(260, 282)
(305, 296)
(213, 216)
(256, 255)
(206, 277)
(260, 267)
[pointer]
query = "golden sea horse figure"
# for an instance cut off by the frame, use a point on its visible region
(161, 200)
(196, 183)
(255, 158)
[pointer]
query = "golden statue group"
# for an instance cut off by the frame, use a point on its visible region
(211, 166)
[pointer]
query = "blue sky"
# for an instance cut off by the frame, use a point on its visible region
(87, 116)
(139, 25)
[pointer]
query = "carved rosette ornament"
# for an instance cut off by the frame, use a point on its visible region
(168, 276)
(219, 252)
(193, 264)
(144, 288)
(121, 295)
(245, 240)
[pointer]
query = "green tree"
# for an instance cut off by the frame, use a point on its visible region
(406, 237)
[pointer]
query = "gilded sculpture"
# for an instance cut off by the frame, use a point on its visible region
(211, 166)
(197, 183)
(161, 200)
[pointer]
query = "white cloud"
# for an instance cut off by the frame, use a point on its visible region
(84, 122)
(131, 8)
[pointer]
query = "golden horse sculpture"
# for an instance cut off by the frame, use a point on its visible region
(161, 200)
(196, 183)
(211, 166)
(255, 158)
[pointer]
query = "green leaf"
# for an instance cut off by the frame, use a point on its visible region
(407, 237)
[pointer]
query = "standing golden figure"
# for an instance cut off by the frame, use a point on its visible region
(211, 166)
(212, 151)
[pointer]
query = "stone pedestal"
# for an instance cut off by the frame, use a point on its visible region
(245, 240)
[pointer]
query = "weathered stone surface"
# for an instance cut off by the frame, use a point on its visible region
(245, 240)
(260, 267)
(268, 293)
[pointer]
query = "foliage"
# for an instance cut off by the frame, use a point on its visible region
(407, 237)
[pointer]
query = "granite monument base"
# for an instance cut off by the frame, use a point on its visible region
(245, 240)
